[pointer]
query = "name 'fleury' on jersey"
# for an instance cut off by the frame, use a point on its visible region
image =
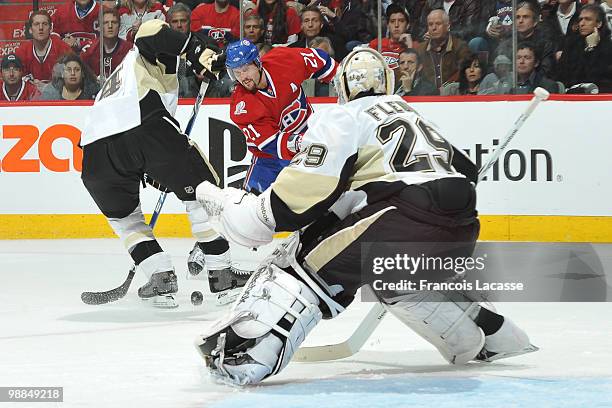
(367, 150)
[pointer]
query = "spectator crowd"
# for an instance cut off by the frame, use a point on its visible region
(435, 47)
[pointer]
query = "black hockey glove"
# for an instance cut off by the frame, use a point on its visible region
(154, 183)
(203, 55)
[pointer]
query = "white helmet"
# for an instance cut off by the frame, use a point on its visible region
(363, 70)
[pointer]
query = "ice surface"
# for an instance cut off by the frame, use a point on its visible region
(129, 355)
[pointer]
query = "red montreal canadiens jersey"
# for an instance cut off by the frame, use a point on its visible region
(66, 22)
(390, 50)
(270, 117)
(91, 56)
(222, 27)
(27, 92)
(37, 69)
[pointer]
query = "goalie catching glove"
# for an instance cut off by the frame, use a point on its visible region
(239, 216)
(203, 55)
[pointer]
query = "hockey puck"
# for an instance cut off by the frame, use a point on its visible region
(196, 298)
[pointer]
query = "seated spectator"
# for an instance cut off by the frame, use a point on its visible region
(39, 54)
(354, 24)
(528, 74)
(410, 81)
(398, 39)
(323, 43)
(179, 18)
(76, 22)
(282, 24)
(529, 29)
(495, 25)
(499, 81)
(498, 15)
(219, 20)
(562, 22)
(135, 13)
(115, 48)
(72, 80)
(471, 73)
(13, 87)
(464, 16)
(312, 27)
(588, 59)
(253, 28)
(442, 53)
(606, 6)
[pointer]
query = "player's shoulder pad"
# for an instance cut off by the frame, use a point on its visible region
(150, 28)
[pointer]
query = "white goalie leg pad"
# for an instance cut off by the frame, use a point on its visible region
(446, 324)
(200, 225)
(272, 317)
(132, 229)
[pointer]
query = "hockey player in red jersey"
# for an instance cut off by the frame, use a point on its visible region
(76, 22)
(269, 104)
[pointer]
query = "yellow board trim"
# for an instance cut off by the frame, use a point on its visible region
(494, 227)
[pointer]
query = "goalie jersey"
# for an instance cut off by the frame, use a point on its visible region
(144, 85)
(364, 151)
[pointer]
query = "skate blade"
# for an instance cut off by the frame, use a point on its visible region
(498, 356)
(162, 302)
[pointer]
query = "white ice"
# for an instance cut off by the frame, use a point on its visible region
(130, 355)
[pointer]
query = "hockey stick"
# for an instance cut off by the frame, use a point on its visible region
(376, 314)
(112, 295)
(539, 95)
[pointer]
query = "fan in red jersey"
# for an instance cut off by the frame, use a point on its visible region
(40, 53)
(219, 20)
(13, 87)
(114, 47)
(76, 22)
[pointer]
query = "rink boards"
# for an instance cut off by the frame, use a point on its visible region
(552, 184)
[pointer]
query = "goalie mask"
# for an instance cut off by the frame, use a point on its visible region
(363, 70)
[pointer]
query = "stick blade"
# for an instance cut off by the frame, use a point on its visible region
(348, 347)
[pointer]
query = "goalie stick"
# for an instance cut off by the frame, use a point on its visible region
(112, 295)
(376, 314)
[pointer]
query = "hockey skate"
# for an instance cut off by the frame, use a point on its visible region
(160, 289)
(224, 281)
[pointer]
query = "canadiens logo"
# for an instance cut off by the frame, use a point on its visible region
(216, 33)
(240, 108)
(391, 58)
(294, 116)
